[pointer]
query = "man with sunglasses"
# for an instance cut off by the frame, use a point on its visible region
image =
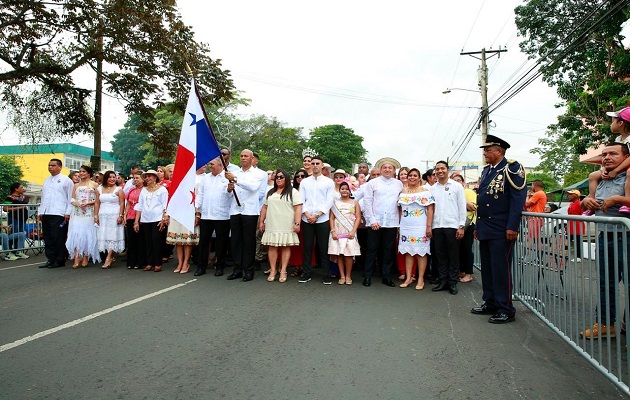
(225, 154)
(317, 193)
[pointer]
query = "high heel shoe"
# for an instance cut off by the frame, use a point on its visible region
(84, 262)
(107, 264)
(185, 270)
(283, 277)
(178, 269)
(405, 284)
(272, 276)
(420, 286)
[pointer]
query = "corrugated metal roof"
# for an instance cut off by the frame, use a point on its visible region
(54, 148)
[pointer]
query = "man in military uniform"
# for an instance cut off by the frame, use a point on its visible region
(500, 200)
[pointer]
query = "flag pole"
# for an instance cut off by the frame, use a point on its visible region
(203, 109)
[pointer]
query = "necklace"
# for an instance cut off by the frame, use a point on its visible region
(413, 189)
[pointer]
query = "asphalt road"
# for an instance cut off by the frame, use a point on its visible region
(128, 334)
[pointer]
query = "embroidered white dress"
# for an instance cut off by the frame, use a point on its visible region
(413, 223)
(82, 234)
(111, 235)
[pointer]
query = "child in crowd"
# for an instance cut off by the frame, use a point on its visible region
(621, 125)
(345, 217)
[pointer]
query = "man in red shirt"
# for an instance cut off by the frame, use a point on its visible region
(575, 228)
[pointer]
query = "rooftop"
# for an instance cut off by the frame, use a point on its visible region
(54, 148)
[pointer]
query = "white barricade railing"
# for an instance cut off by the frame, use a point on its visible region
(20, 231)
(559, 276)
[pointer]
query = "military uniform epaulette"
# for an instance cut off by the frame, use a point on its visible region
(519, 174)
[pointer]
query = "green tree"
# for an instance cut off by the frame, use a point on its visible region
(558, 158)
(339, 146)
(10, 173)
(578, 44)
(139, 51)
(129, 144)
(277, 145)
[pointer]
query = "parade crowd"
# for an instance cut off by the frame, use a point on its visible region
(387, 221)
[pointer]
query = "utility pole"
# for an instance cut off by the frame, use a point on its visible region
(483, 87)
(427, 164)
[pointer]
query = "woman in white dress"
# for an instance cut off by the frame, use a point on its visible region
(110, 209)
(280, 223)
(82, 240)
(416, 206)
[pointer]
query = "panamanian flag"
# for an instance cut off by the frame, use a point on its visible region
(197, 147)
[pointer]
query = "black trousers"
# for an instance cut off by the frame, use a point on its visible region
(321, 232)
(243, 242)
(496, 273)
(380, 244)
(55, 237)
(152, 243)
(446, 254)
(222, 232)
(134, 246)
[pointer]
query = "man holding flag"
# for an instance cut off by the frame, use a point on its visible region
(245, 182)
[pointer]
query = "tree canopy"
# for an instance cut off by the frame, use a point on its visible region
(578, 44)
(10, 173)
(144, 47)
(338, 146)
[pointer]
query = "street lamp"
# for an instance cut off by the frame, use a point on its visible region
(449, 90)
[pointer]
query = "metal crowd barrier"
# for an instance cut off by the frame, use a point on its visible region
(563, 290)
(20, 231)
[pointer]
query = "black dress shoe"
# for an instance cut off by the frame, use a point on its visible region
(484, 309)
(57, 265)
(47, 265)
(199, 272)
(367, 282)
(453, 289)
(440, 287)
(218, 272)
(234, 275)
(248, 277)
(388, 282)
(501, 318)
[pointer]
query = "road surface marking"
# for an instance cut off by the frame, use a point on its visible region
(70, 324)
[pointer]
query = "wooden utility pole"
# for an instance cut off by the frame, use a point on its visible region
(483, 86)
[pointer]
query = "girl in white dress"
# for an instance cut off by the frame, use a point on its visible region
(345, 218)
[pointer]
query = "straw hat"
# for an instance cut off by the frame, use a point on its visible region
(387, 160)
(152, 172)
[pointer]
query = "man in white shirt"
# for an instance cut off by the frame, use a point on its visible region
(380, 209)
(244, 217)
(317, 192)
(449, 219)
(54, 214)
(261, 250)
(213, 215)
(129, 183)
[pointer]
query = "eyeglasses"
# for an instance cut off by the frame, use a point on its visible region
(300, 176)
(279, 176)
(225, 154)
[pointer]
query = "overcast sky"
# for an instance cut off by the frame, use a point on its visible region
(378, 68)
